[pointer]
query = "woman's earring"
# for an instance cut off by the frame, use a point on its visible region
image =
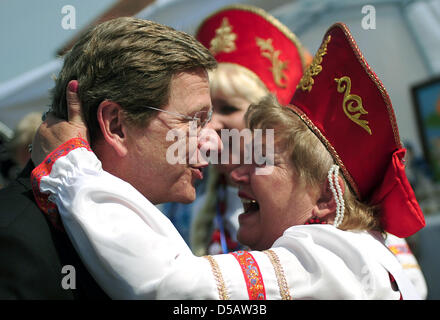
(315, 220)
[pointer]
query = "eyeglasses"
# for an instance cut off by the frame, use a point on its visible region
(201, 118)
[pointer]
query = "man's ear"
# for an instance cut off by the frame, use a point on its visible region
(111, 121)
(325, 207)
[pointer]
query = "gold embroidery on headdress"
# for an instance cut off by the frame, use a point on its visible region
(353, 113)
(278, 66)
(224, 40)
(306, 82)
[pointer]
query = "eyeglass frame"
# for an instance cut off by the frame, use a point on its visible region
(194, 118)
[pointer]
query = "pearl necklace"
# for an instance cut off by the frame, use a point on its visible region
(333, 175)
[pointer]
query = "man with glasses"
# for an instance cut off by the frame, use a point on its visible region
(136, 80)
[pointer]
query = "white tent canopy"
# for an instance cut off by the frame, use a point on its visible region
(401, 49)
(27, 93)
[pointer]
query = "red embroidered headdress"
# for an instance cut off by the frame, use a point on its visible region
(250, 37)
(346, 105)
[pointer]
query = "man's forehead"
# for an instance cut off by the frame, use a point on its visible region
(190, 92)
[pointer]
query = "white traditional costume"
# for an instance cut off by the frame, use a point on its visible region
(398, 246)
(134, 252)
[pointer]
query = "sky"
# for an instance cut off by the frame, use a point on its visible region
(31, 31)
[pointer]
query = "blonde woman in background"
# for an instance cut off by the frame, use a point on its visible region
(23, 135)
(17, 149)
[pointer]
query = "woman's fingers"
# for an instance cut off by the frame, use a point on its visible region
(54, 131)
(73, 103)
(74, 112)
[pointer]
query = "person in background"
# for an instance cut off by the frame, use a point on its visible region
(14, 146)
(400, 248)
(256, 54)
(23, 136)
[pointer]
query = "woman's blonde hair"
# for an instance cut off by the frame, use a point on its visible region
(233, 80)
(25, 130)
(309, 157)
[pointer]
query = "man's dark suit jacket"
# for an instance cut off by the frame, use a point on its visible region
(33, 252)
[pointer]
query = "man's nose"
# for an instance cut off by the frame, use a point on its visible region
(216, 122)
(240, 175)
(209, 140)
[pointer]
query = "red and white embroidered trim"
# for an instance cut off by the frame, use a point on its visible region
(252, 275)
(44, 169)
(400, 249)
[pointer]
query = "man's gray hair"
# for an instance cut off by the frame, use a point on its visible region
(129, 61)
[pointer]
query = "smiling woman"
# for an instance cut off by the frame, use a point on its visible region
(299, 175)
